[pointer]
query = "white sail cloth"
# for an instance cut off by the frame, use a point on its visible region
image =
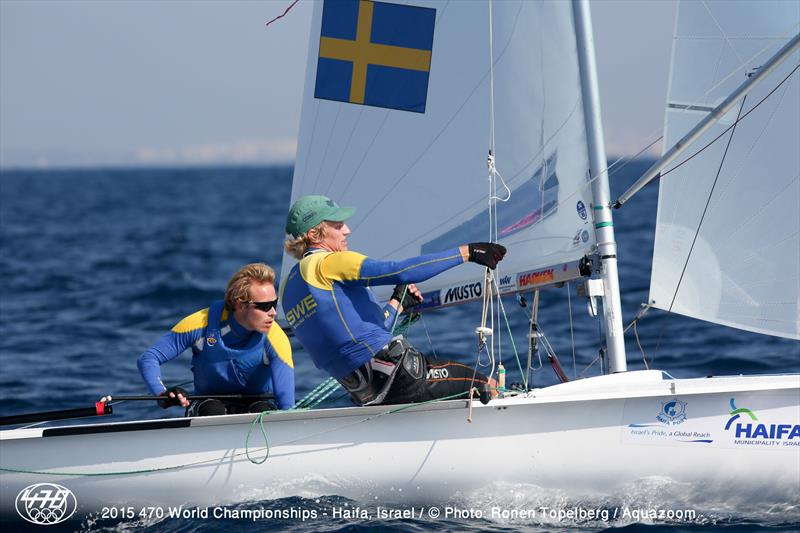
(741, 268)
(419, 180)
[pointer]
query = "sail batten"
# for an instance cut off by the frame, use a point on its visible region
(727, 244)
(419, 179)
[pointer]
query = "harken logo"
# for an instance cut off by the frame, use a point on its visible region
(46, 503)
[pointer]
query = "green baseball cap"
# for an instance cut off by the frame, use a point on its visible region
(308, 211)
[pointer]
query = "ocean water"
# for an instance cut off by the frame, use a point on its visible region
(97, 264)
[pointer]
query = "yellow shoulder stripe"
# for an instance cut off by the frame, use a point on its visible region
(193, 322)
(342, 266)
(309, 271)
(280, 342)
(321, 269)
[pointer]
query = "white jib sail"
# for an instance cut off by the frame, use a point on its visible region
(741, 268)
(419, 178)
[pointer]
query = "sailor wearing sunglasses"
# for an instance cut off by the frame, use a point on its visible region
(237, 350)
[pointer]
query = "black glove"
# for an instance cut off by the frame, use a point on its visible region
(168, 402)
(487, 254)
(404, 296)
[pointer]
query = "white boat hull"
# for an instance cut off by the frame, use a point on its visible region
(592, 436)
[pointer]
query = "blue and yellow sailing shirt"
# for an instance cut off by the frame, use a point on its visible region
(227, 358)
(328, 303)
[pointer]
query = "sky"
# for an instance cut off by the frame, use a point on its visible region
(204, 82)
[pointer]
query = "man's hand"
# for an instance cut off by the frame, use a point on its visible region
(487, 254)
(407, 296)
(173, 396)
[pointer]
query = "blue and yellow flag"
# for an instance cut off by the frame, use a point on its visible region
(375, 53)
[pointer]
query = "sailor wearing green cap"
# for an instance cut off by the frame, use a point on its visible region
(328, 304)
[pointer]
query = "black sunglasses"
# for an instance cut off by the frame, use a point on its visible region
(265, 306)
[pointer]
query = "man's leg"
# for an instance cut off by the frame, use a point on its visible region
(207, 407)
(442, 379)
(259, 406)
(446, 378)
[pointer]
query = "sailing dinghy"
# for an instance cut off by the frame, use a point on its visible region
(402, 130)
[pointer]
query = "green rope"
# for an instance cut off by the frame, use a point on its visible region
(511, 336)
(246, 452)
(324, 389)
(405, 325)
(260, 421)
(399, 304)
(319, 394)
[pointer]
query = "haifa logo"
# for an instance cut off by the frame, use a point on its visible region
(755, 430)
(46, 503)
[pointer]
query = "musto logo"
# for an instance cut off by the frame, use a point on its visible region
(749, 431)
(463, 292)
(46, 503)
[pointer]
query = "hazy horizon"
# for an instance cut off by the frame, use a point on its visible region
(87, 84)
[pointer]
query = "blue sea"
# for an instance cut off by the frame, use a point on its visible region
(97, 264)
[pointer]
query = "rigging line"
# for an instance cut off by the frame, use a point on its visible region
(705, 209)
(644, 356)
(436, 137)
(491, 85)
(572, 333)
(344, 151)
(493, 223)
(283, 14)
(327, 145)
(425, 328)
(510, 334)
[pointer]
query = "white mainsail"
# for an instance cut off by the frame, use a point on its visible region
(419, 180)
(727, 246)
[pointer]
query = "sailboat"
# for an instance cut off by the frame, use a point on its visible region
(484, 120)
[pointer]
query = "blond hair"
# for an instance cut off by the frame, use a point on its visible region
(238, 289)
(298, 246)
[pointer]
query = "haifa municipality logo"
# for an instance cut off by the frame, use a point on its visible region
(46, 503)
(672, 412)
(756, 430)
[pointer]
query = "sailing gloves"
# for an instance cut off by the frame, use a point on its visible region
(487, 254)
(404, 296)
(171, 397)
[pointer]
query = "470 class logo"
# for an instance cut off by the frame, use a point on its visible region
(46, 503)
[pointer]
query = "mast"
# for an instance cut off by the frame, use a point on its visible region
(603, 221)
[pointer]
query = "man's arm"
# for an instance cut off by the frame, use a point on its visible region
(282, 367)
(352, 267)
(171, 345)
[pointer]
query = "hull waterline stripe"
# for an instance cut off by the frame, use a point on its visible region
(603, 224)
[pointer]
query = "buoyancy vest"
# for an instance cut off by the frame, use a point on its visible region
(219, 369)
